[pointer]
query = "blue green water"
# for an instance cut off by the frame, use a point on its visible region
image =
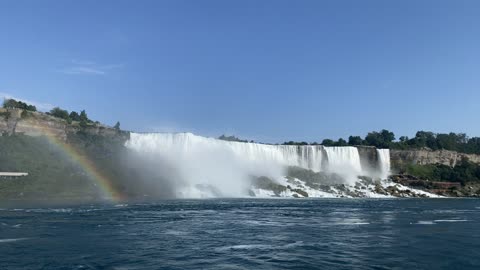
(246, 234)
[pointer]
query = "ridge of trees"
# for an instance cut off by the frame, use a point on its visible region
(58, 112)
(232, 138)
(459, 142)
(81, 117)
(16, 104)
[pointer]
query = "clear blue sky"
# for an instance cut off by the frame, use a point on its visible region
(264, 70)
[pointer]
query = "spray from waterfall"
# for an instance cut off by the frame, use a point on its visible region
(207, 167)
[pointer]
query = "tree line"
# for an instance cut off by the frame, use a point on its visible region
(232, 138)
(459, 142)
(58, 112)
(15, 104)
(81, 117)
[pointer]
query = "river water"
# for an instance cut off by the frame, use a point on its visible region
(246, 234)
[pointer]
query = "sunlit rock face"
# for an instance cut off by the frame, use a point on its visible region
(207, 167)
(426, 156)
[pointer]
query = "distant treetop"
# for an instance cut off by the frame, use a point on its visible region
(231, 139)
(14, 104)
(459, 142)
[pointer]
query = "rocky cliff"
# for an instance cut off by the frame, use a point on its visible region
(400, 158)
(16, 121)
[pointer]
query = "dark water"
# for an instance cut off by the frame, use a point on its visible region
(246, 234)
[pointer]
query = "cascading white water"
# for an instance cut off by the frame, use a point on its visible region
(210, 167)
(345, 161)
(310, 157)
(384, 162)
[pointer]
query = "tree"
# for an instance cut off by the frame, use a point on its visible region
(374, 139)
(57, 112)
(14, 104)
(295, 143)
(387, 136)
(74, 116)
(341, 142)
(328, 142)
(83, 116)
(10, 104)
(382, 139)
(31, 108)
(425, 139)
(231, 138)
(355, 140)
(117, 126)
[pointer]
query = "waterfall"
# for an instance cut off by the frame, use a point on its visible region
(384, 162)
(345, 161)
(208, 167)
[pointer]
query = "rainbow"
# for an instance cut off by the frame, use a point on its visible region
(104, 184)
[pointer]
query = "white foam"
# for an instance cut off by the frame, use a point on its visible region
(425, 222)
(263, 193)
(12, 240)
(450, 220)
(259, 246)
(353, 223)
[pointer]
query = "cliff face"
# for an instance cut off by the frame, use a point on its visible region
(35, 124)
(425, 156)
(368, 157)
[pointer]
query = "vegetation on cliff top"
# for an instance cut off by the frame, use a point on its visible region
(57, 112)
(14, 104)
(459, 142)
(232, 139)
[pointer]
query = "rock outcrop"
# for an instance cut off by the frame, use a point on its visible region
(400, 158)
(17, 121)
(368, 157)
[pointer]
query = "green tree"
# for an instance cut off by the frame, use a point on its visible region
(14, 104)
(425, 139)
(57, 112)
(355, 140)
(31, 108)
(374, 139)
(382, 139)
(74, 116)
(83, 116)
(10, 104)
(341, 142)
(328, 142)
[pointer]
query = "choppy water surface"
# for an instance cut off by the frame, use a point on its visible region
(246, 234)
